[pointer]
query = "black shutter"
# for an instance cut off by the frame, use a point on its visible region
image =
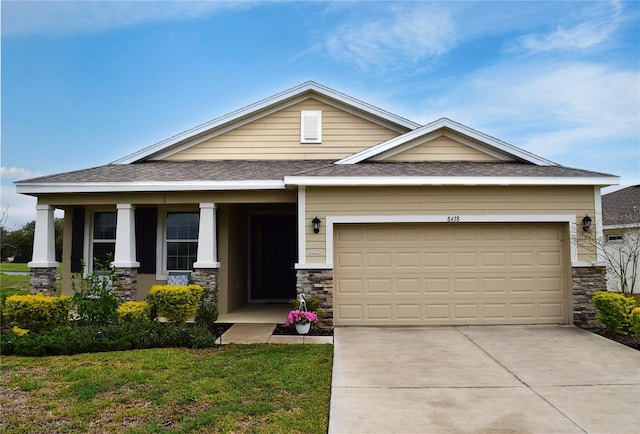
(146, 230)
(77, 239)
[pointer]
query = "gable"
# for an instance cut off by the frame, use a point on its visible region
(439, 148)
(277, 136)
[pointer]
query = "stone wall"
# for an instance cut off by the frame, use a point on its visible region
(318, 284)
(126, 285)
(43, 280)
(585, 282)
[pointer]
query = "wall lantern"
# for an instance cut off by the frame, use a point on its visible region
(586, 223)
(316, 224)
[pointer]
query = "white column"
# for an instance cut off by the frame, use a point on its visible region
(44, 250)
(125, 254)
(207, 240)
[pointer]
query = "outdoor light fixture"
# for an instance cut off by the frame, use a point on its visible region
(316, 224)
(586, 223)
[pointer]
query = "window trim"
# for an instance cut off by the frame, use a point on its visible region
(162, 273)
(88, 235)
(308, 116)
(618, 238)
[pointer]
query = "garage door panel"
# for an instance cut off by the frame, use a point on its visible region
(450, 274)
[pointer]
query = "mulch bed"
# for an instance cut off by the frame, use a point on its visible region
(628, 340)
(281, 329)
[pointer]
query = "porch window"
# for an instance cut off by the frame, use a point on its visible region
(182, 240)
(104, 237)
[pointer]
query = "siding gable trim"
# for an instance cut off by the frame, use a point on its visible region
(491, 142)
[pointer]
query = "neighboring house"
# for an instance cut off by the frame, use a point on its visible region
(386, 220)
(621, 220)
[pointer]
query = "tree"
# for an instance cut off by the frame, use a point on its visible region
(19, 243)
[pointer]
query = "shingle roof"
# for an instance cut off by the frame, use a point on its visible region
(621, 207)
(238, 170)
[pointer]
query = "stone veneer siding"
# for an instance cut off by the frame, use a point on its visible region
(585, 281)
(208, 279)
(126, 285)
(318, 284)
(43, 280)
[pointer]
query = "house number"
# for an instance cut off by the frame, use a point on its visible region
(453, 219)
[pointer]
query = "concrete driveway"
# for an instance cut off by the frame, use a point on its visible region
(503, 379)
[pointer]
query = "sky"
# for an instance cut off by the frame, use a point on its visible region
(86, 83)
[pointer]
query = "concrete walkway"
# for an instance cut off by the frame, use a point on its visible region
(509, 379)
(256, 333)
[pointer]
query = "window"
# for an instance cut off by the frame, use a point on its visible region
(182, 240)
(104, 238)
(311, 126)
(614, 237)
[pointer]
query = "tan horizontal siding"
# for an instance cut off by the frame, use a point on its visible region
(445, 201)
(441, 149)
(277, 136)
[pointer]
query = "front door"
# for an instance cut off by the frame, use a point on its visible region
(273, 255)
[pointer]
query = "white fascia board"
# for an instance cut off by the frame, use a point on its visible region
(118, 187)
(332, 181)
(261, 105)
(452, 125)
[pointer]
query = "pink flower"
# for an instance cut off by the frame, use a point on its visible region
(300, 317)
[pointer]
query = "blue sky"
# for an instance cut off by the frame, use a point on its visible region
(85, 83)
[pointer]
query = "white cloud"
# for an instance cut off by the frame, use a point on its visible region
(20, 209)
(67, 17)
(16, 173)
(401, 37)
(596, 25)
(573, 113)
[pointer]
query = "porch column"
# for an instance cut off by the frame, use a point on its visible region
(124, 259)
(207, 239)
(43, 263)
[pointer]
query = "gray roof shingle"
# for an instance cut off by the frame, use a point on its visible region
(621, 207)
(237, 170)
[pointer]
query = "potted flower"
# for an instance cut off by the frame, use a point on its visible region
(302, 320)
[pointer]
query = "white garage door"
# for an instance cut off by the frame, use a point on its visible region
(449, 274)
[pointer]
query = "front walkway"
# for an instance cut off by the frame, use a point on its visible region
(533, 379)
(254, 323)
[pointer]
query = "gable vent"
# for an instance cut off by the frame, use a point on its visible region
(311, 126)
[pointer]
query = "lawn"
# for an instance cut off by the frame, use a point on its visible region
(11, 266)
(237, 388)
(18, 284)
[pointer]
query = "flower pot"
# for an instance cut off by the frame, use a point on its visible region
(303, 329)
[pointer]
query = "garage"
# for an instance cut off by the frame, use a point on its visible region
(446, 274)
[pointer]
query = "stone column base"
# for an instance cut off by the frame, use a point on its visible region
(126, 284)
(585, 281)
(318, 284)
(43, 280)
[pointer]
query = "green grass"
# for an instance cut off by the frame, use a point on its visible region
(11, 266)
(238, 388)
(12, 284)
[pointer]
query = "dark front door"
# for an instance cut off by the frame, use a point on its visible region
(273, 255)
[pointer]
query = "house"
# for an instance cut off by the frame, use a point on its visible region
(621, 227)
(385, 220)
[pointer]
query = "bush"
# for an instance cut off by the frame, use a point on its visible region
(133, 311)
(207, 313)
(612, 310)
(91, 338)
(176, 302)
(634, 322)
(94, 298)
(37, 312)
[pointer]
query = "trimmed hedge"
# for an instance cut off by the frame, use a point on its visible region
(634, 322)
(120, 337)
(133, 311)
(37, 312)
(613, 310)
(175, 302)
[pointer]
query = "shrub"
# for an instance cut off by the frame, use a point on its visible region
(37, 312)
(634, 322)
(207, 313)
(133, 311)
(93, 296)
(113, 337)
(612, 310)
(176, 302)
